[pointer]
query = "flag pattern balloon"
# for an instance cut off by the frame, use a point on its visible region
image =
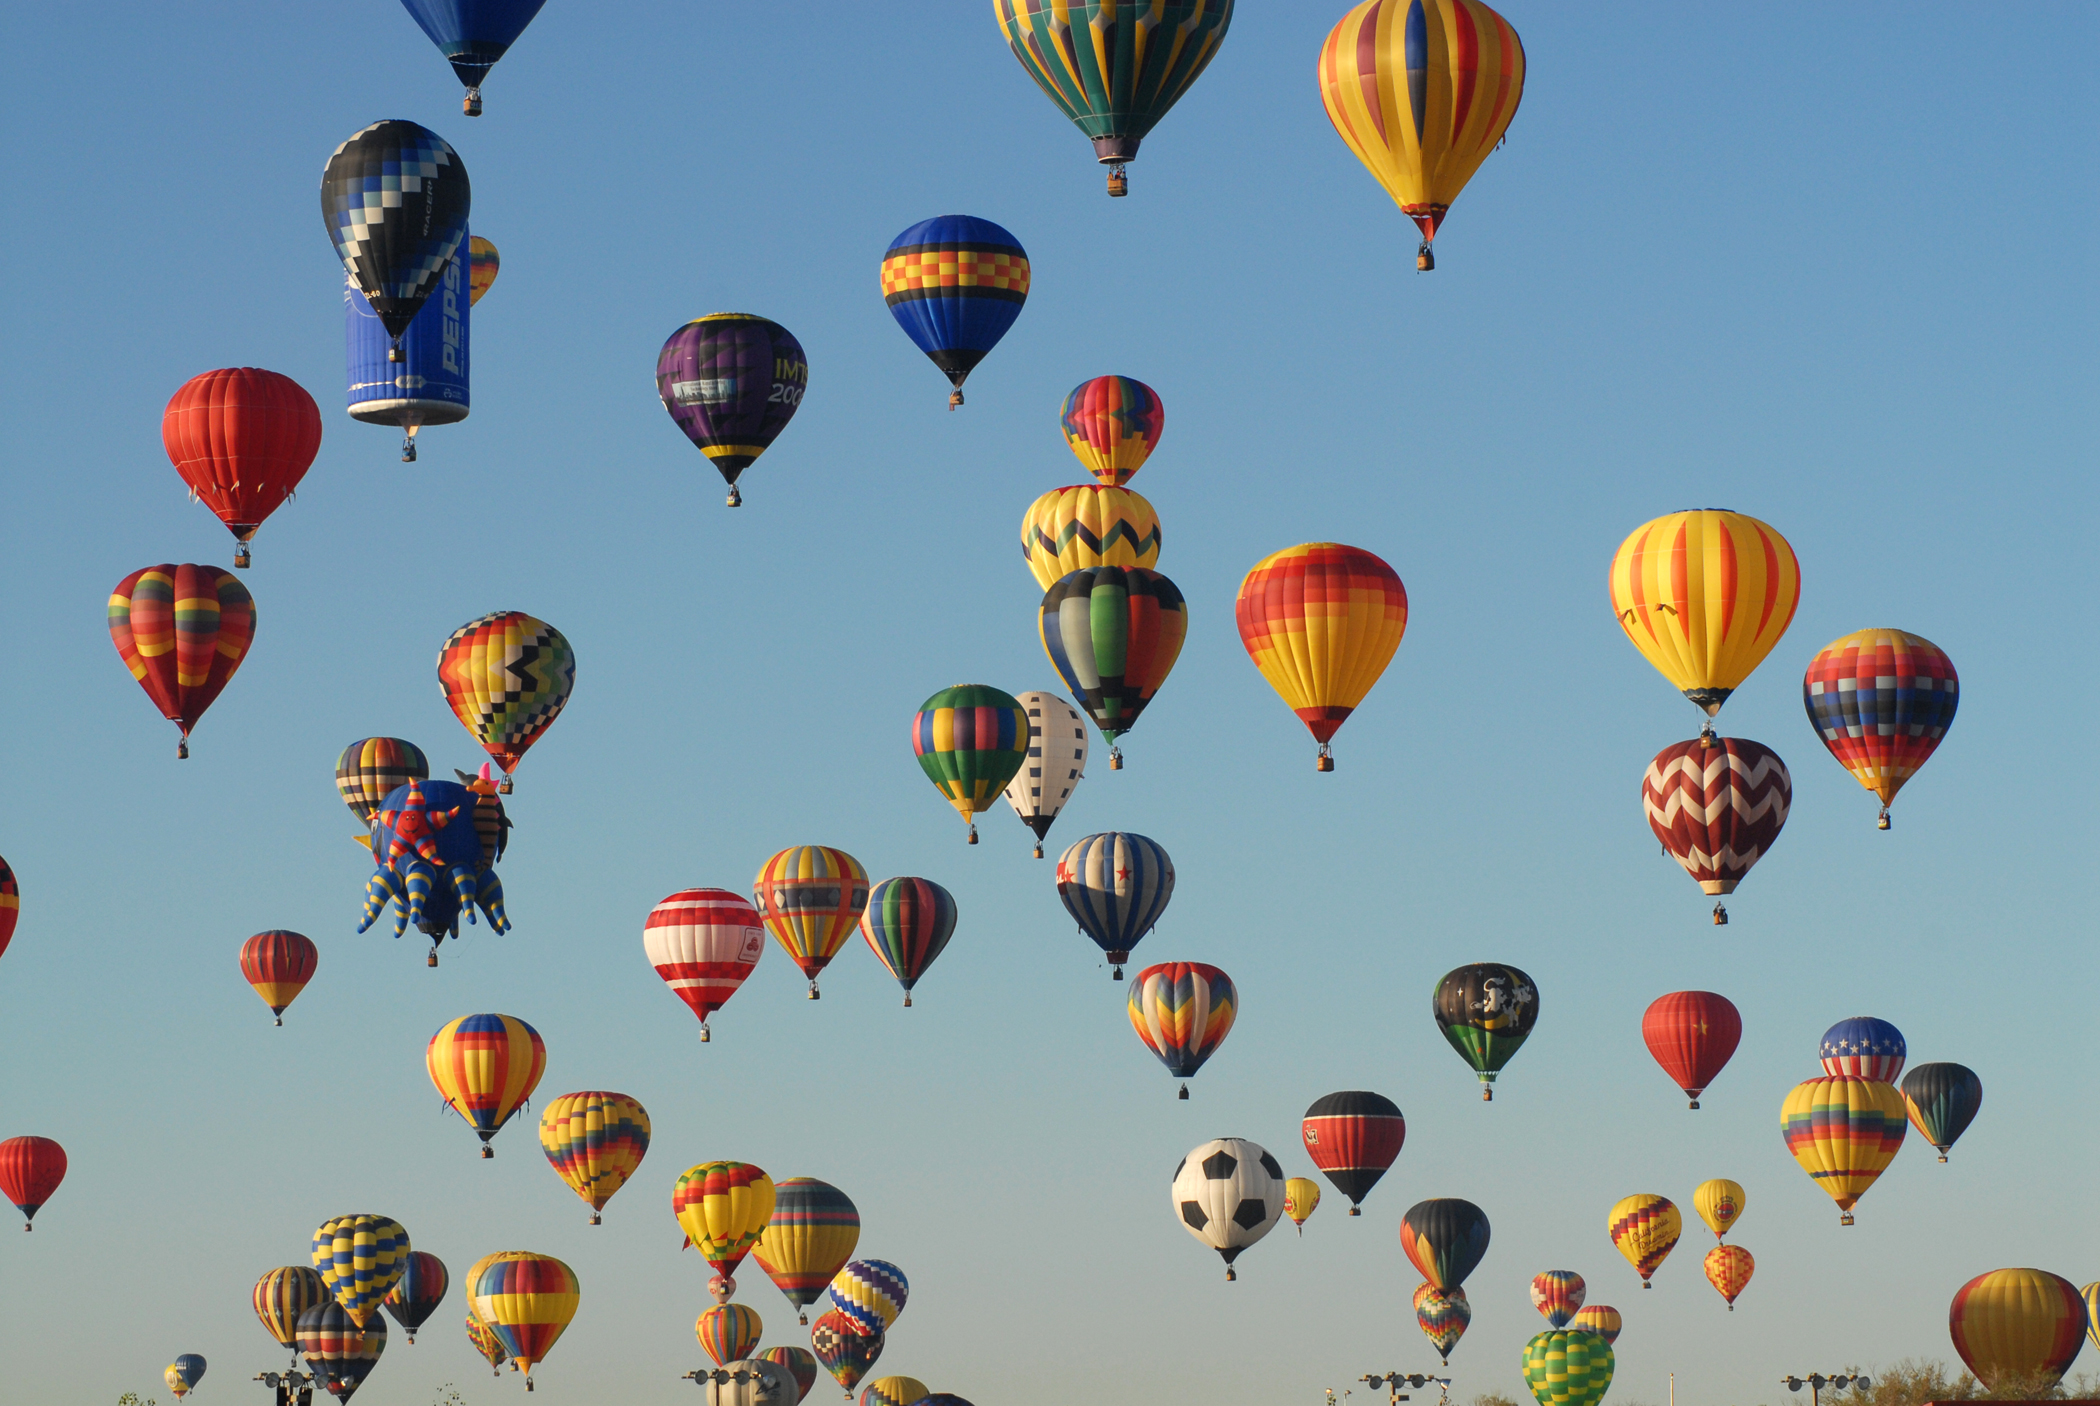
(182, 631)
(527, 1300)
(1942, 1100)
(1421, 91)
(955, 284)
(723, 1207)
(1644, 1228)
(1113, 633)
(1353, 1138)
(808, 1238)
(2018, 1323)
(800, 1363)
(1321, 621)
(1568, 1366)
(594, 1141)
(1844, 1132)
(183, 1374)
(1728, 1269)
(842, 1349)
(1115, 886)
(485, 1342)
(507, 677)
(1057, 749)
(1443, 1315)
(373, 768)
(810, 898)
(395, 199)
(1301, 1197)
(241, 438)
(1720, 1203)
(339, 1350)
(1228, 1193)
(1881, 700)
(11, 895)
(360, 1258)
(1865, 1047)
(731, 382)
(970, 740)
(485, 1067)
(1113, 424)
(418, 1292)
(472, 35)
(1444, 1239)
(1486, 1011)
(483, 264)
(907, 924)
(728, 1331)
(1085, 525)
(281, 1295)
(894, 1391)
(1692, 1035)
(1717, 804)
(1557, 1294)
(1183, 1011)
(1704, 596)
(870, 1293)
(703, 943)
(1601, 1319)
(278, 964)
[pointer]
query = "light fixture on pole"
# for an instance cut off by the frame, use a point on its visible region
(1816, 1381)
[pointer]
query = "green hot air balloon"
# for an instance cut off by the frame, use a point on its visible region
(971, 739)
(1486, 1011)
(1114, 633)
(1568, 1367)
(1114, 68)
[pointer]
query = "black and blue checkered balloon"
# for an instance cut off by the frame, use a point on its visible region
(395, 200)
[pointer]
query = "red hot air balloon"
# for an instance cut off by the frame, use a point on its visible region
(1717, 804)
(703, 943)
(10, 905)
(1692, 1035)
(278, 964)
(30, 1170)
(1353, 1138)
(242, 438)
(182, 631)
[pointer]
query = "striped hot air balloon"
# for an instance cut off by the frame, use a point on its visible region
(1644, 1228)
(527, 1300)
(418, 1292)
(1353, 1137)
(1704, 596)
(1321, 621)
(907, 925)
(1057, 750)
(486, 1067)
(281, 1295)
(594, 1141)
(1443, 1315)
(1183, 1011)
(1112, 424)
(278, 964)
(373, 768)
(1115, 886)
(11, 893)
(1085, 525)
(728, 1331)
(970, 740)
(507, 677)
(1881, 700)
(360, 1258)
(870, 1293)
(483, 264)
(1601, 1319)
(800, 1363)
(1557, 1294)
(1113, 634)
(339, 1350)
(723, 1207)
(182, 631)
(1844, 1132)
(1865, 1047)
(1568, 1367)
(2018, 1323)
(1692, 1035)
(810, 898)
(704, 943)
(843, 1349)
(1728, 1269)
(1717, 804)
(808, 1239)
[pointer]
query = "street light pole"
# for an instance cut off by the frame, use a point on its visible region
(1816, 1381)
(1393, 1381)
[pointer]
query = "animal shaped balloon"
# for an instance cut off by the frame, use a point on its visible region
(594, 1141)
(1321, 621)
(395, 200)
(278, 964)
(182, 631)
(1881, 700)
(1115, 886)
(810, 898)
(1353, 1138)
(1844, 1132)
(1717, 804)
(429, 861)
(808, 1239)
(1704, 596)
(1057, 748)
(971, 741)
(1644, 1228)
(507, 677)
(1228, 1193)
(241, 438)
(472, 35)
(955, 284)
(704, 943)
(907, 924)
(1113, 634)
(1112, 424)
(1942, 1100)
(1183, 1012)
(731, 382)
(1692, 1035)
(486, 1066)
(418, 1292)
(1486, 1012)
(1085, 525)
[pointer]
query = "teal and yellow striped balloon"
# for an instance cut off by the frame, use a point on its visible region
(1568, 1367)
(360, 1258)
(971, 739)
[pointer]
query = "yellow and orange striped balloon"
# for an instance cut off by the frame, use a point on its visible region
(1704, 595)
(810, 898)
(2014, 1323)
(486, 1066)
(1844, 1132)
(1321, 621)
(526, 1300)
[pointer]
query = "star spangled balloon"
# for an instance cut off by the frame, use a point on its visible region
(870, 1293)
(395, 199)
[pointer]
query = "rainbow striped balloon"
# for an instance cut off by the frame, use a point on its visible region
(808, 1239)
(1844, 1132)
(907, 925)
(594, 1141)
(527, 1301)
(1182, 1011)
(281, 1295)
(810, 898)
(486, 1066)
(729, 1331)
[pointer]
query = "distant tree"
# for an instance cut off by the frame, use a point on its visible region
(1492, 1399)
(132, 1398)
(448, 1395)
(1913, 1383)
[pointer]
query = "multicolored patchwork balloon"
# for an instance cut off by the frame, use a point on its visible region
(1844, 1132)
(843, 1349)
(1557, 1294)
(485, 1341)
(870, 1293)
(527, 1300)
(418, 1292)
(1644, 1228)
(970, 740)
(1182, 1011)
(373, 768)
(1113, 633)
(703, 943)
(800, 1362)
(395, 200)
(339, 1350)
(1444, 1239)
(281, 1296)
(1704, 596)
(1881, 700)
(1567, 1366)
(360, 1258)
(1115, 886)
(728, 1331)
(723, 1208)
(1321, 621)
(810, 898)
(485, 1067)
(1353, 1137)
(1112, 423)
(278, 964)
(1728, 1269)
(182, 631)
(241, 438)
(594, 1141)
(483, 264)
(955, 284)
(1085, 525)
(808, 1239)
(907, 925)
(1717, 804)
(1942, 1100)
(1692, 1035)
(1443, 1316)
(731, 382)
(507, 677)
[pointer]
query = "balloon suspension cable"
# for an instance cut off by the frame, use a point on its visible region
(1119, 186)
(182, 750)
(907, 1000)
(1326, 761)
(1883, 824)
(955, 397)
(471, 103)
(1184, 1094)
(1115, 757)
(814, 994)
(241, 559)
(1425, 257)
(1720, 916)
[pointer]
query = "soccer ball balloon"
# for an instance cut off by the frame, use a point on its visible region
(1229, 1193)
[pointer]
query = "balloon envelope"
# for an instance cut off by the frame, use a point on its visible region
(970, 740)
(182, 631)
(843, 1349)
(485, 1067)
(808, 1238)
(1728, 1269)
(894, 1391)
(1601, 1319)
(811, 898)
(1353, 1137)
(339, 1350)
(595, 1141)
(1183, 1012)
(800, 1363)
(278, 964)
(1486, 1011)
(1942, 1100)
(1720, 1203)
(1881, 700)
(507, 677)
(483, 264)
(1112, 424)
(360, 1258)
(395, 200)
(723, 1208)
(1692, 1035)
(870, 1293)
(1704, 596)
(1443, 1315)
(1645, 1227)
(1085, 525)
(241, 438)
(373, 768)
(731, 382)
(1301, 1197)
(1057, 748)
(728, 1331)
(704, 943)
(418, 1292)
(1557, 1294)
(907, 924)
(1321, 621)
(1717, 804)
(1115, 886)
(1844, 1132)
(1568, 1367)
(1444, 1239)
(2013, 1323)
(1228, 1193)
(281, 1295)
(1865, 1047)
(183, 1374)
(1113, 633)
(955, 284)
(473, 34)
(527, 1301)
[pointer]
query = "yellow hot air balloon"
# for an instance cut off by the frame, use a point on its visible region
(2091, 1294)
(1422, 91)
(723, 1208)
(1718, 1203)
(1301, 1197)
(2018, 1323)
(894, 1391)
(1704, 596)
(1087, 525)
(808, 1238)
(594, 1141)
(1321, 621)
(1844, 1132)
(1645, 1228)
(527, 1301)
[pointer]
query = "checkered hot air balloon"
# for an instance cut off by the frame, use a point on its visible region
(723, 1207)
(703, 943)
(486, 1067)
(1321, 621)
(1568, 1367)
(507, 677)
(1728, 1269)
(418, 1292)
(241, 438)
(1113, 634)
(843, 1349)
(360, 1258)
(527, 1301)
(1644, 1228)
(970, 740)
(1085, 525)
(810, 898)
(182, 631)
(907, 924)
(395, 200)
(278, 964)
(1557, 1294)
(1115, 886)
(1353, 1138)
(594, 1141)
(1443, 1315)
(1182, 1011)
(1057, 750)
(340, 1351)
(1112, 424)
(731, 382)
(1844, 1132)
(808, 1239)
(870, 1293)
(955, 284)
(1717, 804)
(1881, 700)
(485, 1342)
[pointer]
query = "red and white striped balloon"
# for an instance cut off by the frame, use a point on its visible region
(703, 943)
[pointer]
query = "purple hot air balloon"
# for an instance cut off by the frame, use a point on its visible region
(732, 382)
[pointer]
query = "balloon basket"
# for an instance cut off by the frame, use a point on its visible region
(1881, 824)
(1356, 1210)
(1425, 258)
(1119, 186)
(1230, 1274)
(1184, 1094)
(1115, 758)
(802, 1318)
(471, 106)
(973, 832)
(1693, 1105)
(1326, 761)
(594, 1221)
(503, 787)
(1845, 1219)
(907, 1000)
(241, 561)
(182, 750)
(487, 1152)
(705, 1034)
(408, 447)
(955, 398)
(736, 499)
(1038, 851)
(395, 354)
(1720, 916)
(1731, 1308)
(432, 959)
(280, 1022)
(1943, 1156)
(814, 994)
(1487, 1093)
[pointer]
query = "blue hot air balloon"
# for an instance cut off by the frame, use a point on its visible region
(1115, 886)
(473, 34)
(955, 283)
(395, 199)
(1864, 1047)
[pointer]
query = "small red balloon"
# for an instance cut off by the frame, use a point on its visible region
(1692, 1034)
(30, 1170)
(241, 438)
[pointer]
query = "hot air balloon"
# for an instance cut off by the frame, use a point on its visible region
(1353, 1138)
(907, 924)
(395, 200)
(1844, 1132)
(483, 264)
(1115, 886)
(1728, 1269)
(2011, 1324)
(1301, 1197)
(728, 1331)
(808, 1239)
(472, 35)
(241, 438)
(594, 1141)
(1228, 1194)
(1183, 1012)
(1056, 760)
(1444, 1239)
(431, 860)
(955, 283)
(842, 1349)
(278, 964)
(486, 1067)
(1644, 1227)
(485, 1342)
(1085, 525)
(1692, 1035)
(183, 1374)
(1864, 1047)
(1113, 424)
(30, 1170)
(732, 382)
(1114, 633)
(1321, 621)
(870, 1293)
(811, 898)
(11, 896)
(1566, 1366)
(340, 1351)
(1114, 69)
(1704, 596)
(1421, 92)
(182, 631)
(894, 1391)
(1720, 1203)
(970, 739)
(1557, 1294)
(507, 677)
(527, 1300)
(360, 1258)
(1881, 700)
(2091, 1294)
(281, 1295)
(1717, 804)
(800, 1364)
(1942, 1100)
(373, 768)
(418, 1292)
(1486, 1011)
(1443, 1316)
(430, 381)
(703, 943)
(1601, 1319)
(723, 1207)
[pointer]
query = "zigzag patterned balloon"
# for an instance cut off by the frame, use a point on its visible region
(1717, 804)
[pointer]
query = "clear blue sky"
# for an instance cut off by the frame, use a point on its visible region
(1828, 265)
